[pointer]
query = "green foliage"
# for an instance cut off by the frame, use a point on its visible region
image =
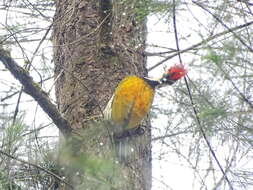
(12, 141)
(6, 183)
(14, 132)
(143, 8)
(209, 113)
(213, 56)
(12, 137)
(230, 50)
(87, 154)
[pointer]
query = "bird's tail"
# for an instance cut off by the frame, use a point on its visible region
(125, 144)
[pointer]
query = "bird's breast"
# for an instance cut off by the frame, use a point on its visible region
(132, 101)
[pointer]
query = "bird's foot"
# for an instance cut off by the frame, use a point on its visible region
(129, 133)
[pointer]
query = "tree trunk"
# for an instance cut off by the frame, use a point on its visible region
(96, 44)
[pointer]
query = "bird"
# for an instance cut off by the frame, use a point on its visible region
(130, 104)
(133, 98)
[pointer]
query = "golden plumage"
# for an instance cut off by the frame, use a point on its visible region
(131, 102)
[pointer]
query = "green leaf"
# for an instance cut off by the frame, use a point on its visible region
(211, 113)
(212, 56)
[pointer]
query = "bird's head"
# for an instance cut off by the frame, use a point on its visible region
(173, 74)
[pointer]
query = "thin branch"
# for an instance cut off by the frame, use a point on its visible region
(237, 89)
(170, 135)
(201, 43)
(9, 96)
(36, 130)
(36, 166)
(34, 8)
(16, 92)
(194, 107)
(223, 24)
(33, 89)
(17, 106)
(25, 40)
(28, 66)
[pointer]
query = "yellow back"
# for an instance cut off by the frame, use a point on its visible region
(131, 102)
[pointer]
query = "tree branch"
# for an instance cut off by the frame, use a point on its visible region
(33, 89)
(201, 43)
(224, 172)
(224, 25)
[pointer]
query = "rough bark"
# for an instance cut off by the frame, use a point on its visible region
(95, 46)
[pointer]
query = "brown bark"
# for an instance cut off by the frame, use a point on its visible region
(95, 46)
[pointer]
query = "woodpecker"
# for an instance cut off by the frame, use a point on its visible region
(133, 98)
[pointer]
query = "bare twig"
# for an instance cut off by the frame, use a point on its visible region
(33, 89)
(201, 43)
(16, 92)
(224, 25)
(245, 99)
(36, 166)
(194, 108)
(170, 135)
(9, 96)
